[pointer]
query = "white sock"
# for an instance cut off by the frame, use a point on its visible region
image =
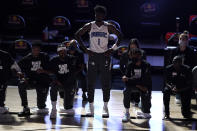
(127, 110)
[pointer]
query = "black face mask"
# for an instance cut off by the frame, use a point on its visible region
(134, 60)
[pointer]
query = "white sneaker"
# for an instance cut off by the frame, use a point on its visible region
(147, 115)
(53, 114)
(105, 112)
(177, 101)
(43, 111)
(142, 115)
(4, 110)
(90, 112)
(126, 117)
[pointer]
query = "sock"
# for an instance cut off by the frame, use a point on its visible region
(105, 104)
(127, 110)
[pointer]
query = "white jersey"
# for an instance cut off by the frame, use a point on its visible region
(99, 38)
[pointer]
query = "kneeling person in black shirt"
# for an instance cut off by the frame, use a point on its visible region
(65, 71)
(137, 78)
(35, 68)
(7, 66)
(178, 80)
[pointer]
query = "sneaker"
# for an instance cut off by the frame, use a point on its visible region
(147, 115)
(142, 115)
(62, 110)
(4, 110)
(177, 101)
(126, 117)
(90, 112)
(105, 112)
(53, 114)
(43, 111)
(67, 111)
(70, 111)
(25, 112)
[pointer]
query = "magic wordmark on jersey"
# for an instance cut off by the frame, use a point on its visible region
(99, 34)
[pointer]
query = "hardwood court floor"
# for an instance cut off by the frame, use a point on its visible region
(80, 122)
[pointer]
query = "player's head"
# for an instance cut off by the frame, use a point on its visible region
(133, 44)
(135, 55)
(100, 13)
(36, 47)
(61, 50)
(183, 40)
(177, 61)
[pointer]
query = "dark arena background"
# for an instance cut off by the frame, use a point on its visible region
(51, 22)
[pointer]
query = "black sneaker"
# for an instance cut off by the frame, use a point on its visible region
(25, 112)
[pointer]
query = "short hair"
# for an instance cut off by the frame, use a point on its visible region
(177, 59)
(100, 9)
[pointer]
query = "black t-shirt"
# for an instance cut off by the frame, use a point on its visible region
(64, 69)
(6, 62)
(29, 65)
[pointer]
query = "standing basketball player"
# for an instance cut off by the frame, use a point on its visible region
(99, 55)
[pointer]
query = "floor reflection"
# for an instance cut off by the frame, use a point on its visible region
(80, 122)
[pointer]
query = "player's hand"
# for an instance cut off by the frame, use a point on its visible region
(89, 52)
(174, 89)
(142, 88)
(20, 75)
(124, 79)
(39, 71)
(109, 52)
